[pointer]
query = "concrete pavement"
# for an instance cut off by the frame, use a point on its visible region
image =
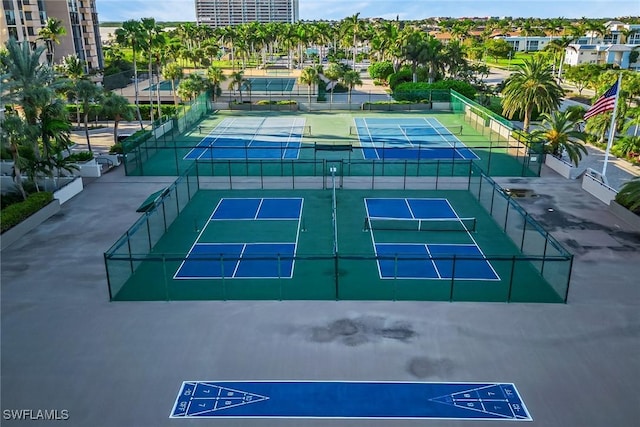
(65, 347)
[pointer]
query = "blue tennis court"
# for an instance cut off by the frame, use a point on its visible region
(252, 138)
(244, 260)
(425, 260)
(409, 138)
(271, 84)
(344, 400)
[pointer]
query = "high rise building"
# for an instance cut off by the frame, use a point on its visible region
(220, 13)
(22, 19)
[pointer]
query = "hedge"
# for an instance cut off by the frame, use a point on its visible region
(417, 91)
(18, 212)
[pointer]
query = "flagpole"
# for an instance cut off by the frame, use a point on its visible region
(612, 129)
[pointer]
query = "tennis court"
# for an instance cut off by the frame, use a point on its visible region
(271, 84)
(400, 258)
(252, 138)
(239, 255)
(163, 85)
(410, 138)
(325, 244)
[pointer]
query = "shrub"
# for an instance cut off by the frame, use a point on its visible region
(629, 196)
(81, 156)
(18, 212)
(381, 70)
(116, 149)
(403, 76)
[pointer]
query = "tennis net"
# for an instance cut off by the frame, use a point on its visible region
(286, 131)
(430, 224)
(412, 131)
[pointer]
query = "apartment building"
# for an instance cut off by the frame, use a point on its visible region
(22, 19)
(221, 13)
(613, 47)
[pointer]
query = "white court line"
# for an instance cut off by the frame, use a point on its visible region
(373, 145)
(255, 217)
(235, 270)
(194, 243)
(227, 125)
(433, 262)
(462, 144)
(373, 240)
(406, 201)
(476, 243)
(295, 247)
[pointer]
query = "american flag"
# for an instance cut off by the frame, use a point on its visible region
(605, 103)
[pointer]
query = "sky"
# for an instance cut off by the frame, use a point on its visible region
(184, 10)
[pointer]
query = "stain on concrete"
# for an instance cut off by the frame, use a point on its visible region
(428, 367)
(361, 330)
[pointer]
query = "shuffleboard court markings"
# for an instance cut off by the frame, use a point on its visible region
(344, 400)
(200, 399)
(501, 400)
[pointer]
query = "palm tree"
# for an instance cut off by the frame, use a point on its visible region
(531, 86)
(309, 76)
(237, 82)
(118, 108)
(88, 93)
(355, 27)
(192, 86)
(629, 194)
(27, 82)
(334, 73)
(351, 79)
(153, 39)
(51, 34)
(215, 76)
(131, 35)
(172, 71)
(73, 68)
(559, 134)
(15, 134)
(414, 51)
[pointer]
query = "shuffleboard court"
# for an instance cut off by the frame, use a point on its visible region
(338, 399)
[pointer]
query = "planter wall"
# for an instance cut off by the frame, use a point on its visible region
(72, 188)
(563, 168)
(15, 233)
(598, 189)
(625, 214)
(90, 169)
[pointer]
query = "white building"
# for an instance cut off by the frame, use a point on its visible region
(613, 47)
(221, 13)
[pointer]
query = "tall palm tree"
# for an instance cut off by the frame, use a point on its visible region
(88, 93)
(73, 67)
(172, 71)
(531, 86)
(309, 76)
(131, 35)
(351, 79)
(118, 108)
(237, 82)
(51, 34)
(355, 27)
(153, 39)
(27, 82)
(559, 133)
(215, 76)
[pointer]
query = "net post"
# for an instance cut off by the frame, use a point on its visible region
(367, 225)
